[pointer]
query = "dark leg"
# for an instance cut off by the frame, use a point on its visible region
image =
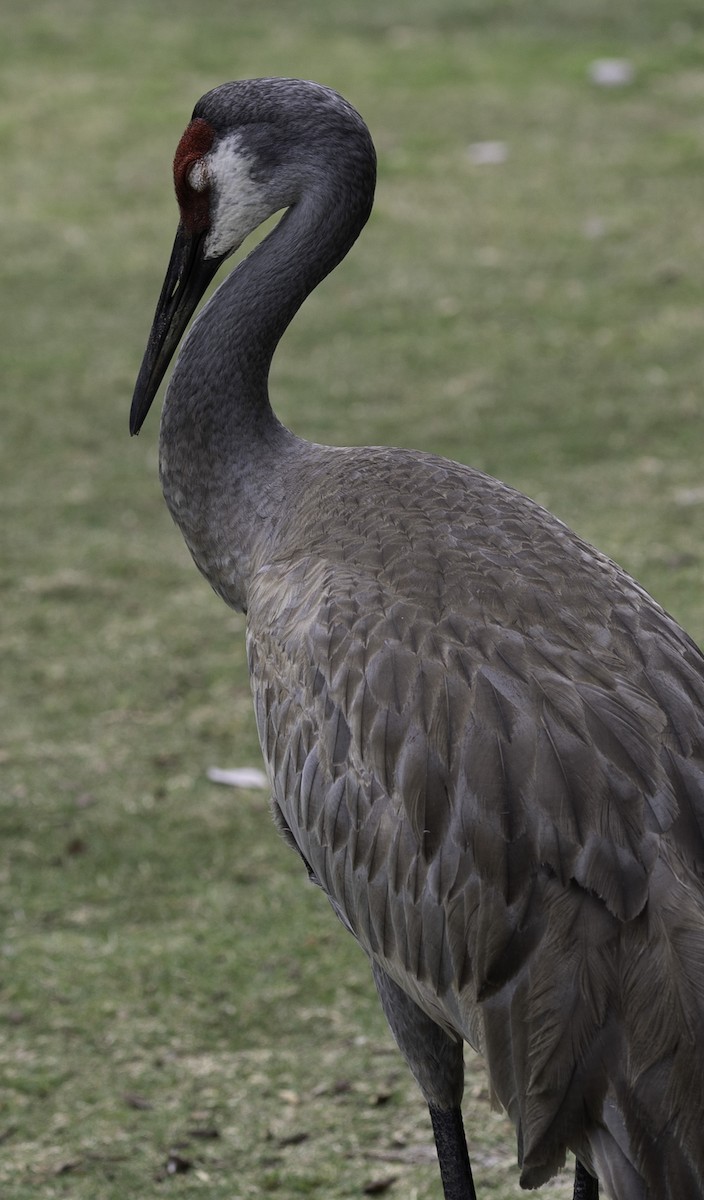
(586, 1186)
(457, 1182)
(435, 1058)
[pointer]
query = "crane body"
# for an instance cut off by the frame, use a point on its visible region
(484, 739)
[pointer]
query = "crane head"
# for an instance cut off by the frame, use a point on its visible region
(252, 148)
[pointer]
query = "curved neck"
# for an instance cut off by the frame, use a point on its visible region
(219, 385)
(222, 451)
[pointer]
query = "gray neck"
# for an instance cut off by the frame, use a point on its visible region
(221, 447)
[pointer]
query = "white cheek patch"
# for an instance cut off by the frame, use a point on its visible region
(239, 203)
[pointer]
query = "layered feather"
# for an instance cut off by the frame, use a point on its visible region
(486, 741)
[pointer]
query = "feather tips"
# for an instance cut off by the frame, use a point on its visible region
(487, 750)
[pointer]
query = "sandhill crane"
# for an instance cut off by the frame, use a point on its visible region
(484, 739)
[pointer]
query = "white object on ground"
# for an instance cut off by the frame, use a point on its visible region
(244, 777)
(484, 154)
(611, 72)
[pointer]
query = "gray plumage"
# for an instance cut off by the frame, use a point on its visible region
(485, 740)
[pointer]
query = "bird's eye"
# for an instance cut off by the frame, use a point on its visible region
(198, 176)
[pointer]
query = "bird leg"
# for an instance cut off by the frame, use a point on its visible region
(586, 1186)
(437, 1064)
(453, 1157)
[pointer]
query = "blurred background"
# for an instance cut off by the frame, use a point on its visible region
(179, 1013)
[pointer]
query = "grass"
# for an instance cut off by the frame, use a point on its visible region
(179, 1014)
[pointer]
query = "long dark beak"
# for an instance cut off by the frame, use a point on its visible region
(187, 277)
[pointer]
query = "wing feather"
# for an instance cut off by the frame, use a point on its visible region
(486, 741)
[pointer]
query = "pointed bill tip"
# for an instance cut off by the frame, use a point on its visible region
(187, 277)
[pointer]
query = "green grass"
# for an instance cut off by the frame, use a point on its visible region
(165, 972)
